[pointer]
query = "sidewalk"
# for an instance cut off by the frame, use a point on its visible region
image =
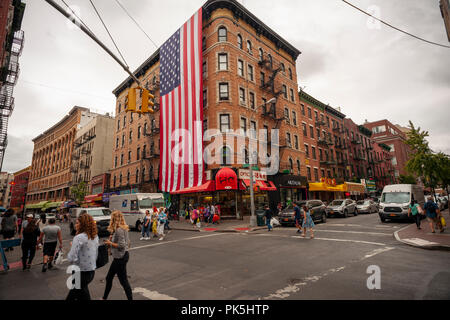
(223, 226)
(424, 239)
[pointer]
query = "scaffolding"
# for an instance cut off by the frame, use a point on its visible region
(7, 90)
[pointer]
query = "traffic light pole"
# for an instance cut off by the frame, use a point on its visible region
(93, 37)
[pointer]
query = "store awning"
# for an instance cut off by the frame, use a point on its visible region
(226, 179)
(94, 197)
(268, 186)
(39, 205)
(326, 187)
(209, 186)
(51, 205)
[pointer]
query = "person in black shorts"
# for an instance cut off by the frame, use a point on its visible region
(52, 235)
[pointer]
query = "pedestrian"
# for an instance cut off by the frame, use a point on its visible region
(207, 213)
(213, 212)
(194, 215)
(83, 253)
(51, 234)
(42, 221)
(166, 224)
(29, 234)
(162, 218)
(298, 217)
(307, 222)
(19, 223)
(414, 211)
(9, 226)
(146, 226)
(155, 223)
(119, 243)
(268, 214)
(432, 213)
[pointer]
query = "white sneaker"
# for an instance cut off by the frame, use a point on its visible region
(161, 239)
(147, 238)
(142, 239)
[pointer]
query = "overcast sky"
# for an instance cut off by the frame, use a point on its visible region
(347, 61)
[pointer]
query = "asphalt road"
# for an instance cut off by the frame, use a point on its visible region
(261, 265)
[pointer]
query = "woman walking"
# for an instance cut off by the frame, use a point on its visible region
(9, 226)
(146, 226)
(30, 234)
(119, 243)
(414, 211)
(162, 217)
(154, 223)
(307, 222)
(268, 215)
(83, 254)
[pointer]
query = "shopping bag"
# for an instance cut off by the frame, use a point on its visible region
(443, 222)
(274, 222)
(59, 257)
(102, 256)
(198, 224)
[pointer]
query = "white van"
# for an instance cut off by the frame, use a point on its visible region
(395, 200)
(133, 206)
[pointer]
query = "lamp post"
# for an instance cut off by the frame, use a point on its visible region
(252, 193)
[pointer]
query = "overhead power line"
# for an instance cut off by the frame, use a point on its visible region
(395, 28)
(106, 28)
(138, 25)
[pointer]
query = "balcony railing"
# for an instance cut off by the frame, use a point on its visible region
(354, 141)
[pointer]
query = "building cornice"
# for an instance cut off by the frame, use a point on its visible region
(320, 105)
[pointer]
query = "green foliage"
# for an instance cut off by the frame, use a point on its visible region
(78, 192)
(407, 179)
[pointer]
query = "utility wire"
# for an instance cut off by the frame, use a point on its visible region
(75, 14)
(138, 25)
(106, 28)
(389, 25)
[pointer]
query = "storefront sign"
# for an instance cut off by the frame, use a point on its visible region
(331, 182)
(97, 180)
(290, 181)
(257, 175)
(226, 179)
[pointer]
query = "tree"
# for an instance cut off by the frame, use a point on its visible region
(407, 179)
(79, 192)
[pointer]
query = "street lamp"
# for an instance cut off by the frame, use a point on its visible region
(252, 194)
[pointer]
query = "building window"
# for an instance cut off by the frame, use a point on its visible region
(250, 73)
(120, 180)
(252, 100)
(239, 41)
(288, 140)
(223, 91)
(307, 150)
(139, 132)
(115, 162)
(226, 156)
(316, 174)
(253, 129)
(118, 125)
(223, 62)
(205, 70)
(129, 156)
(225, 123)
(305, 132)
(123, 140)
(284, 91)
(121, 159)
(244, 126)
(263, 80)
(311, 132)
(270, 60)
(283, 68)
(302, 109)
(291, 165)
(290, 73)
(294, 118)
(242, 96)
(261, 54)
(309, 173)
(309, 113)
(138, 154)
(222, 34)
(286, 115)
(292, 95)
(296, 142)
(241, 68)
(298, 166)
(205, 98)
(246, 157)
(204, 43)
(313, 151)
(137, 175)
(117, 142)
(131, 136)
(249, 47)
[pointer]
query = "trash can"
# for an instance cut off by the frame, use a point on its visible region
(260, 218)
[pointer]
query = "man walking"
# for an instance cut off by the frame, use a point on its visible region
(432, 209)
(268, 214)
(52, 234)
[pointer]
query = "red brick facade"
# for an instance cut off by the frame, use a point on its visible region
(19, 188)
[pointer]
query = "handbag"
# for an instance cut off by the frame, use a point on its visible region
(59, 257)
(443, 222)
(274, 222)
(102, 256)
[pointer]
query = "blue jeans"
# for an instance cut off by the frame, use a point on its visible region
(268, 224)
(146, 230)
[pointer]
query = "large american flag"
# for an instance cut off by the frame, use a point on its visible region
(181, 138)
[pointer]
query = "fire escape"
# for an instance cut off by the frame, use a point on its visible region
(8, 80)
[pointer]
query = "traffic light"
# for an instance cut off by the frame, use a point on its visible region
(147, 98)
(131, 107)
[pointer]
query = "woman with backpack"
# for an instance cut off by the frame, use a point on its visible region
(30, 234)
(119, 243)
(83, 253)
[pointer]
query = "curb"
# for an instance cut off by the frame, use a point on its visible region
(430, 247)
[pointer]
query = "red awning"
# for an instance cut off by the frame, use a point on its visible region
(209, 186)
(262, 185)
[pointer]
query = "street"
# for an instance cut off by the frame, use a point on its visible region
(260, 265)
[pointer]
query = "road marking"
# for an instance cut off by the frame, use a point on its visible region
(179, 240)
(420, 242)
(294, 288)
(377, 252)
(344, 240)
(153, 295)
(355, 232)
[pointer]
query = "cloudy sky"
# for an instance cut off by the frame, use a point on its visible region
(371, 72)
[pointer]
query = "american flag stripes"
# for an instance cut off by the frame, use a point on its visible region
(181, 117)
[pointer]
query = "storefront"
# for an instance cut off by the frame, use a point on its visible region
(289, 188)
(327, 190)
(355, 191)
(230, 191)
(100, 183)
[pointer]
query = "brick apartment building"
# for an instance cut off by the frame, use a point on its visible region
(19, 189)
(385, 132)
(5, 188)
(51, 176)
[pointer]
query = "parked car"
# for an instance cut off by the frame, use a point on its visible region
(342, 207)
(316, 207)
(101, 217)
(366, 206)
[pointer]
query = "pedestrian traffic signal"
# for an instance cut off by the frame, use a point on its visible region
(147, 98)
